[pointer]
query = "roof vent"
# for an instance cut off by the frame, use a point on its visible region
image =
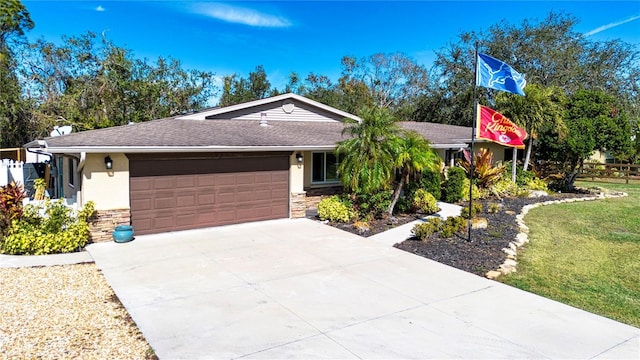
(263, 119)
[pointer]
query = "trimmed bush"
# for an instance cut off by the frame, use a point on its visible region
(453, 185)
(373, 205)
(49, 228)
(336, 209)
(453, 225)
(493, 208)
(425, 202)
(432, 182)
(476, 208)
(424, 230)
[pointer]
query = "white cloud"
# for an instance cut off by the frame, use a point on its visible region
(610, 25)
(239, 15)
(100, 8)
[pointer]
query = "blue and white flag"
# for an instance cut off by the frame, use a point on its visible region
(495, 74)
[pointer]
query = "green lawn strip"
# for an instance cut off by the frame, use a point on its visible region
(586, 254)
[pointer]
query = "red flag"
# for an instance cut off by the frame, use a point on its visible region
(495, 127)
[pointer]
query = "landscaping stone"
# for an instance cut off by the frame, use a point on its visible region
(479, 223)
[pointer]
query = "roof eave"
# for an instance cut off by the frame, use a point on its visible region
(182, 149)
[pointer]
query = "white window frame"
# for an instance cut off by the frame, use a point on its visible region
(324, 170)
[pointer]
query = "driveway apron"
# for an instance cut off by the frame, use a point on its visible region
(301, 289)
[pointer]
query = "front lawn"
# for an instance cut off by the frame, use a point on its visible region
(586, 254)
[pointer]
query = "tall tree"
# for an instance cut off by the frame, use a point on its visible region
(594, 121)
(92, 83)
(392, 80)
(14, 112)
(540, 106)
(238, 89)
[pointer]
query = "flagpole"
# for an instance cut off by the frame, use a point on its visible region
(473, 136)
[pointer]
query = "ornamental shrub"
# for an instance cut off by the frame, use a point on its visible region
(373, 205)
(453, 225)
(424, 230)
(505, 187)
(476, 193)
(49, 228)
(425, 202)
(537, 184)
(476, 208)
(335, 208)
(432, 182)
(522, 176)
(453, 185)
(11, 196)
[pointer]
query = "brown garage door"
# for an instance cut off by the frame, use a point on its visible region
(168, 193)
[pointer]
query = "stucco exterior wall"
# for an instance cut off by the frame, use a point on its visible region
(496, 149)
(296, 173)
(109, 189)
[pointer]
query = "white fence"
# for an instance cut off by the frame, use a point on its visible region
(11, 170)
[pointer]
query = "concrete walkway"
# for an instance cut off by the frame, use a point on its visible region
(300, 289)
(403, 232)
(10, 261)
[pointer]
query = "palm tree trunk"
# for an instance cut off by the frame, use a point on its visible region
(396, 195)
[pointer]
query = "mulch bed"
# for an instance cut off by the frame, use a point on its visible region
(478, 256)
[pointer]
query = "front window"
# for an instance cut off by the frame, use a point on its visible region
(324, 167)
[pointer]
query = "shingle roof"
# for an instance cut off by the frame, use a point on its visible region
(179, 133)
(173, 132)
(440, 134)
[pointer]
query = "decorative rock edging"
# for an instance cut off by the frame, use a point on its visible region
(509, 265)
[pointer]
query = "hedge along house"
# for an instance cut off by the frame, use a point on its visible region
(241, 163)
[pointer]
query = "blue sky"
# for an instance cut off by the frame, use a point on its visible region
(307, 36)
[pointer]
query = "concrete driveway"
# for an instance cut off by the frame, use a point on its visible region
(300, 289)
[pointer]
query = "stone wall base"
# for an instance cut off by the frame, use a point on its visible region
(104, 222)
(298, 205)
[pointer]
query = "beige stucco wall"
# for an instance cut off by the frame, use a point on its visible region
(496, 149)
(296, 174)
(109, 189)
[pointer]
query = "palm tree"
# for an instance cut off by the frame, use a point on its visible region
(412, 155)
(540, 106)
(367, 157)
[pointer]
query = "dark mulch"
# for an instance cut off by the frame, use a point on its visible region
(375, 226)
(478, 256)
(484, 252)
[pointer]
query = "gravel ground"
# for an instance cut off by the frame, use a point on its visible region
(61, 312)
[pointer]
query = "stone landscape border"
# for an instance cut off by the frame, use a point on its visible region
(509, 265)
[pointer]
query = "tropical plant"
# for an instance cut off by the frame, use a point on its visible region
(367, 164)
(11, 196)
(412, 155)
(484, 172)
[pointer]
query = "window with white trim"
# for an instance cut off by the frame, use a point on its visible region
(324, 167)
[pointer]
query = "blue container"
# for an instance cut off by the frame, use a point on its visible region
(123, 233)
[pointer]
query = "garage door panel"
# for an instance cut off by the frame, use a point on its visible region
(139, 184)
(166, 196)
(164, 182)
(186, 181)
(186, 200)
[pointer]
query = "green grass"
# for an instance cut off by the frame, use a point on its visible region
(586, 254)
